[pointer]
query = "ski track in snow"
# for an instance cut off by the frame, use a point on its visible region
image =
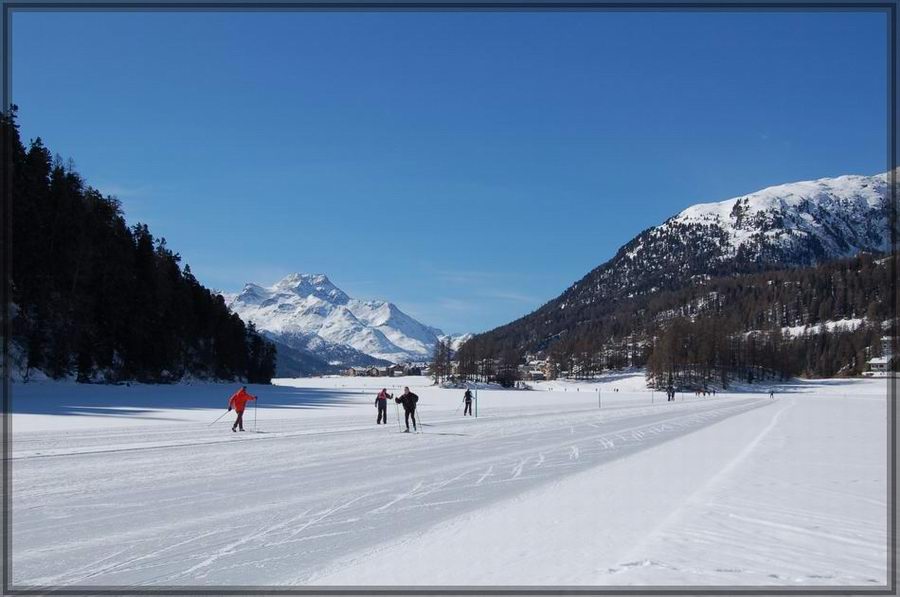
(796, 506)
(721, 474)
(791, 494)
(147, 507)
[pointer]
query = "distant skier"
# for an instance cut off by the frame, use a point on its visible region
(468, 399)
(237, 402)
(408, 400)
(381, 405)
(772, 394)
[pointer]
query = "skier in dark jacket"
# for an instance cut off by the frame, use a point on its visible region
(381, 405)
(408, 400)
(468, 398)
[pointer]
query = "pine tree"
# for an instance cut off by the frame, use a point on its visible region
(100, 301)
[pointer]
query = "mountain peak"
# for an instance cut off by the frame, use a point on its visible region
(308, 312)
(297, 278)
(843, 192)
(317, 285)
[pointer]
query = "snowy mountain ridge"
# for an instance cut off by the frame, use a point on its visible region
(836, 212)
(308, 312)
(794, 224)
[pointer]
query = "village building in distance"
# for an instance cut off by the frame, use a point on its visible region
(534, 369)
(397, 370)
(881, 365)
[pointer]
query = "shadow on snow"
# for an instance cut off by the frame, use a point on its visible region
(138, 400)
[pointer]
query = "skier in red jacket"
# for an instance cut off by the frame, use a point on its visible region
(238, 401)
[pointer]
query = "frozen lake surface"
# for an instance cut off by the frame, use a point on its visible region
(115, 485)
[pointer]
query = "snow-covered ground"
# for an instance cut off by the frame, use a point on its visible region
(562, 485)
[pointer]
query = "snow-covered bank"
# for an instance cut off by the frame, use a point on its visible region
(543, 488)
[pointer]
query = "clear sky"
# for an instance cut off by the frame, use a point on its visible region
(466, 166)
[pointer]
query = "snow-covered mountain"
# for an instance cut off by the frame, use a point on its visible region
(789, 225)
(802, 222)
(456, 340)
(794, 224)
(307, 312)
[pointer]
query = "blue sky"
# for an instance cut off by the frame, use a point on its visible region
(466, 166)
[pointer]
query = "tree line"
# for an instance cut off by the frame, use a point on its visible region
(98, 300)
(442, 361)
(717, 330)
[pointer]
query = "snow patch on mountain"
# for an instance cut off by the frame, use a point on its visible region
(308, 311)
(850, 324)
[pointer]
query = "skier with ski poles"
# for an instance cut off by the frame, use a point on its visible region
(460, 405)
(408, 400)
(238, 402)
(467, 398)
(381, 405)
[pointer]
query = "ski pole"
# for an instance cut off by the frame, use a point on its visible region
(219, 417)
(460, 404)
(399, 428)
(255, 410)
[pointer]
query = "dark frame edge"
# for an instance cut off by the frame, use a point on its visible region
(5, 297)
(6, 177)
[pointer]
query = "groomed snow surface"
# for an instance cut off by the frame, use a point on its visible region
(116, 485)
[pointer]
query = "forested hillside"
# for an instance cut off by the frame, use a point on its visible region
(792, 225)
(99, 300)
(816, 321)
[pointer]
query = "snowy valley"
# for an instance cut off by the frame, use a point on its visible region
(600, 483)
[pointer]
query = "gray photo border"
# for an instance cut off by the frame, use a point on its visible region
(889, 7)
